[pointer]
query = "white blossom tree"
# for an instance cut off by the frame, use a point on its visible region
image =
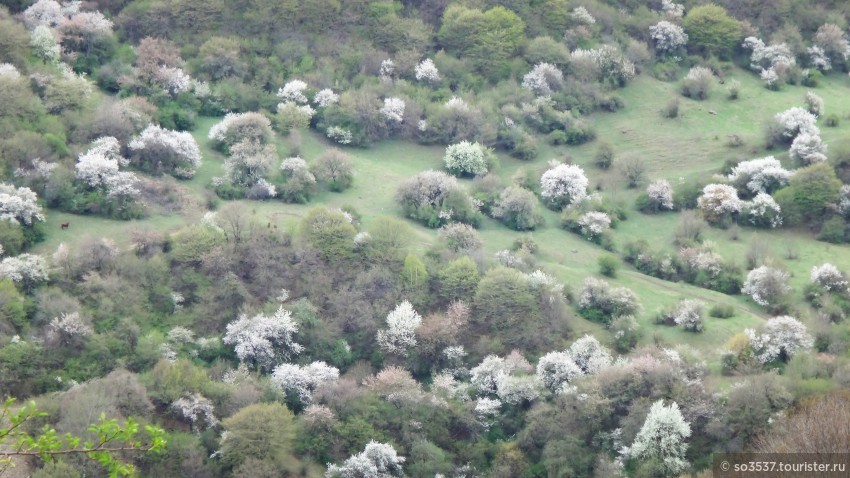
(466, 158)
(487, 409)
(556, 370)
(719, 202)
(818, 58)
(767, 286)
(325, 98)
(829, 278)
(660, 193)
(249, 162)
(426, 71)
(400, 335)
(67, 330)
(808, 148)
(44, 43)
(780, 338)
(236, 127)
(662, 437)
(759, 175)
(796, 120)
(668, 36)
(689, 315)
(303, 380)
(263, 340)
(594, 224)
(43, 12)
(814, 103)
(160, 149)
(27, 269)
(543, 79)
(589, 355)
(581, 16)
(197, 409)
(293, 91)
(563, 184)
(763, 211)
(377, 460)
(393, 110)
(19, 205)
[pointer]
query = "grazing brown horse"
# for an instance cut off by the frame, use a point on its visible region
(65, 225)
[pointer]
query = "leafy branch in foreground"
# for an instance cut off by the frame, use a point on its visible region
(112, 438)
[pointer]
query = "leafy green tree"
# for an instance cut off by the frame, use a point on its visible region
(488, 38)
(414, 274)
(812, 189)
(503, 299)
(263, 431)
(711, 31)
(112, 438)
(330, 232)
(458, 280)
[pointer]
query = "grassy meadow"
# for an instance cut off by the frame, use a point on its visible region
(692, 146)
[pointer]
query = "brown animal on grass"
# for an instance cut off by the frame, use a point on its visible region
(65, 225)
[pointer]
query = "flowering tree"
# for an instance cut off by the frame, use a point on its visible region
(249, 162)
(8, 70)
(767, 286)
(563, 184)
(697, 83)
(487, 409)
(27, 269)
(299, 180)
(196, 408)
(263, 340)
(829, 278)
(556, 370)
(98, 168)
(759, 175)
(673, 11)
(387, 68)
(780, 338)
(396, 385)
(377, 460)
(600, 302)
(719, 202)
(466, 158)
(426, 71)
(173, 79)
(236, 127)
(435, 198)
(325, 98)
(68, 330)
(589, 355)
(460, 237)
(660, 194)
(517, 208)
(293, 91)
(83, 30)
(662, 438)
(543, 79)
(814, 103)
(161, 149)
(668, 36)
(400, 334)
(606, 63)
(832, 40)
(808, 148)
(393, 110)
(291, 115)
(796, 120)
(43, 12)
(303, 380)
(19, 205)
(581, 16)
(689, 315)
(763, 211)
(594, 224)
(44, 44)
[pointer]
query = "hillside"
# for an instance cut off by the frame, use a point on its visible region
(431, 238)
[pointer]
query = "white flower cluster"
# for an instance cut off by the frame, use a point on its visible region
(303, 380)
(196, 408)
(19, 205)
(660, 192)
(400, 334)
(43, 12)
(759, 175)
(378, 460)
(581, 16)
(828, 277)
(339, 135)
(617, 301)
(589, 355)
(179, 148)
(780, 337)
(427, 71)
(249, 125)
(393, 110)
(668, 36)
(808, 148)
(387, 68)
(263, 339)
(99, 167)
(67, 327)
(703, 259)
(689, 315)
(564, 184)
(769, 59)
(594, 223)
(797, 120)
(539, 280)
(674, 11)
(174, 80)
(609, 60)
(662, 438)
(325, 98)
(766, 285)
(844, 201)
(818, 58)
(508, 378)
(293, 91)
(542, 79)
(763, 210)
(466, 158)
(24, 268)
(456, 103)
(8, 70)
(43, 41)
(718, 200)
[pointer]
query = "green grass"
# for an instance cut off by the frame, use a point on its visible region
(691, 146)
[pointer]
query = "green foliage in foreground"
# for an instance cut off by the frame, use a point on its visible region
(112, 438)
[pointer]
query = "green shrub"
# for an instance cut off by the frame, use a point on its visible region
(608, 265)
(722, 311)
